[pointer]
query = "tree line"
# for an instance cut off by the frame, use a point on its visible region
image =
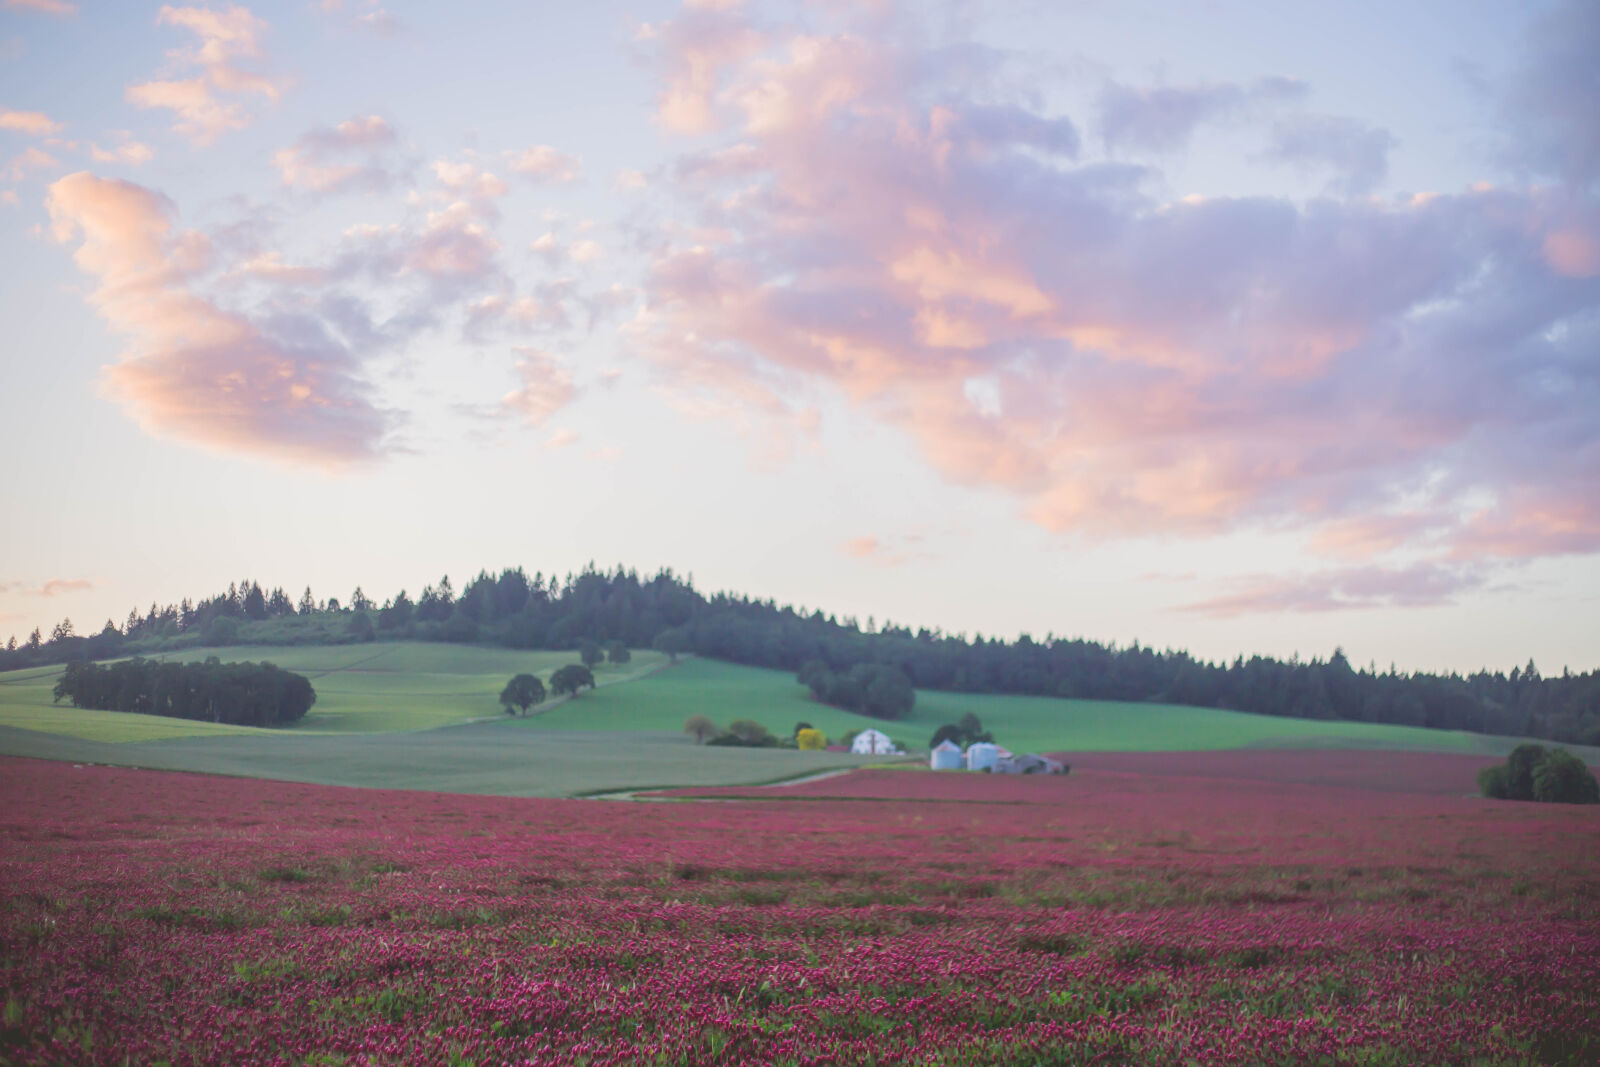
(244, 694)
(518, 610)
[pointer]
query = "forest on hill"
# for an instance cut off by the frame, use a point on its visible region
(515, 610)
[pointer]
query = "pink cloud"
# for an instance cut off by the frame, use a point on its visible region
(57, 586)
(346, 157)
(874, 226)
(228, 55)
(196, 371)
(50, 588)
(1573, 252)
(1356, 588)
(696, 48)
(46, 7)
(881, 552)
(861, 547)
(33, 123)
(546, 387)
(547, 165)
(28, 161)
(125, 150)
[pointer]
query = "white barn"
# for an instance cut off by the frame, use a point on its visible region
(946, 756)
(870, 742)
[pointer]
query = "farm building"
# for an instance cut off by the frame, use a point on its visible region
(946, 756)
(982, 755)
(1028, 764)
(872, 742)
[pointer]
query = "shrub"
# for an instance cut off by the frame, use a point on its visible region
(1561, 778)
(1533, 772)
(1519, 770)
(811, 740)
(1493, 782)
(750, 732)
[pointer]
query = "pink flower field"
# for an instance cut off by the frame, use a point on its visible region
(1132, 912)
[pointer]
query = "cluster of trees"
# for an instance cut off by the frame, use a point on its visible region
(1533, 772)
(523, 691)
(245, 694)
(968, 731)
(741, 733)
(665, 611)
(881, 690)
(747, 733)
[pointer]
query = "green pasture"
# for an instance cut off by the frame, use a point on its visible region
(482, 758)
(404, 715)
(370, 688)
(726, 691)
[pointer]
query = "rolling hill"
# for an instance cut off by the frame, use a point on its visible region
(425, 716)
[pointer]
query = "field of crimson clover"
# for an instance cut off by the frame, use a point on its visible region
(1163, 909)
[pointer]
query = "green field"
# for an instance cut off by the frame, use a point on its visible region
(483, 758)
(425, 716)
(727, 691)
(371, 688)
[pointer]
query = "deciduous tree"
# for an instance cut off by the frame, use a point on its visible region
(572, 678)
(522, 692)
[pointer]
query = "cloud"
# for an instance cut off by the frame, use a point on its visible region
(52, 587)
(33, 123)
(1356, 588)
(1552, 107)
(879, 231)
(1163, 118)
(28, 161)
(546, 165)
(197, 372)
(880, 552)
(546, 387)
(346, 157)
(372, 18)
(542, 309)
(694, 50)
(47, 7)
(229, 55)
(861, 547)
(465, 179)
(629, 180)
(1357, 152)
(125, 150)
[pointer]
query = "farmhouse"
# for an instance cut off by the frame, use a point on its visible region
(872, 742)
(946, 756)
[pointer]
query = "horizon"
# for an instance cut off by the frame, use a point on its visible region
(1223, 331)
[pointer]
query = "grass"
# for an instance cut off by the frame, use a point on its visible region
(721, 691)
(372, 688)
(377, 705)
(726, 691)
(484, 758)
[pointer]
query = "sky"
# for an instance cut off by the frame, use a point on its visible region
(1220, 326)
